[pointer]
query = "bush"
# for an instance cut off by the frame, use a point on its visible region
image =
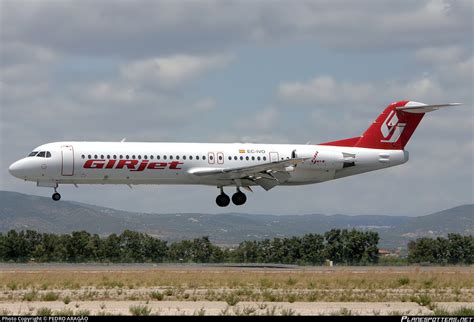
(30, 296)
(422, 299)
(44, 311)
(232, 299)
(403, 281)
(156, 296)
(50, 296)
(140, 310)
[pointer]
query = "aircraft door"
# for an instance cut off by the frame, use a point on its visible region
(67, 154)
(273, 156)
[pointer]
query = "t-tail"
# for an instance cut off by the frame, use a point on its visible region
(393, 128)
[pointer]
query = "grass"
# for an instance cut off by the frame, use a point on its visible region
(421, 299)
(44, 311)
(156, 295)
(232, 299)
(346, 284)
(403, 280)
(50, 296)
(140, 310)
(30, 296)
(375, 278)
(462, 311)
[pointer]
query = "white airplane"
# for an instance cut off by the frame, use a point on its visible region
(237, 164)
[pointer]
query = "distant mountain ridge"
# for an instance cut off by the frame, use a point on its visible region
(19, 211)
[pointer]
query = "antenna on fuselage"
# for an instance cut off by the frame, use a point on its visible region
(123, 140)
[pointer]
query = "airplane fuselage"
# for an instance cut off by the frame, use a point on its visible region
(174, 163)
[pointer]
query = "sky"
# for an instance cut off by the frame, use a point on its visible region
(242, 71)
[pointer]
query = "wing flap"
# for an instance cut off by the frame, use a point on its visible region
(266, 183)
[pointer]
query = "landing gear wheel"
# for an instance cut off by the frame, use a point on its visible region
(56, 196)
(239, 198)
(222, 200)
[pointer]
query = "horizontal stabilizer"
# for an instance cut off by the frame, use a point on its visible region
(415, 107)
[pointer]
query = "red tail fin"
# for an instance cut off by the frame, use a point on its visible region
(391, 130)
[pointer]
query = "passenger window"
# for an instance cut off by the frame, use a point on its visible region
(133, 156)
(121, 156)
(220, 157)
(157, 157)
(102, 156)
(190, 157)
(164, 157)
(247, 158)
(197, 157)
(115, 156)
(241, 158)
(151, 157)
(230, 158)
(83, 156)
(89, 156)
(258, 158)
(177, 157)
(95, 156)
(204, 158)
(184, 157)
(145, 157)
(108, 156)
(127, 157)
(235, 158)
(253, 158)
(264, 158)
(139, 156)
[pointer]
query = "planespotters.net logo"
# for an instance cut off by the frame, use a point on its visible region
(391, 128)
(437, 319)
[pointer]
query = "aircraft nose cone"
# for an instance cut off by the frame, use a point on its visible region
(15, 169)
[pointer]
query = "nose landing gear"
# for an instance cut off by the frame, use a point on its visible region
(56, 196)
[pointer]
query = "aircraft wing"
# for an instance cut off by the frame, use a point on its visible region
(267, 175)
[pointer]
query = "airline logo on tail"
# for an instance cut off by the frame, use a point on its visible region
(391, 128)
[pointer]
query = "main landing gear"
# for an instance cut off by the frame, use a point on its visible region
(56, 196)
(238, 198)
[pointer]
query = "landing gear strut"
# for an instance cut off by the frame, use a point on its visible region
(222, 200)
(56, 196)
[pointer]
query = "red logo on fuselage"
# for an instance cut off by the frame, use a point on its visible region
(132, 165)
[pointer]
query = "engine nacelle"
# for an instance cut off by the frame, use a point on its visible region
(322, 159)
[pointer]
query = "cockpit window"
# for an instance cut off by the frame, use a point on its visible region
(32, 154)
(48, 154)
(42, 154)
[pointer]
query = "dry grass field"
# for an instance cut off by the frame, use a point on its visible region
(220, 290)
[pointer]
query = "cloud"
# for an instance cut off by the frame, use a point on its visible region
(172, 71)
(324, 89)
(440, 55)
(205, 104)
(261, 121)
(150, 28)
